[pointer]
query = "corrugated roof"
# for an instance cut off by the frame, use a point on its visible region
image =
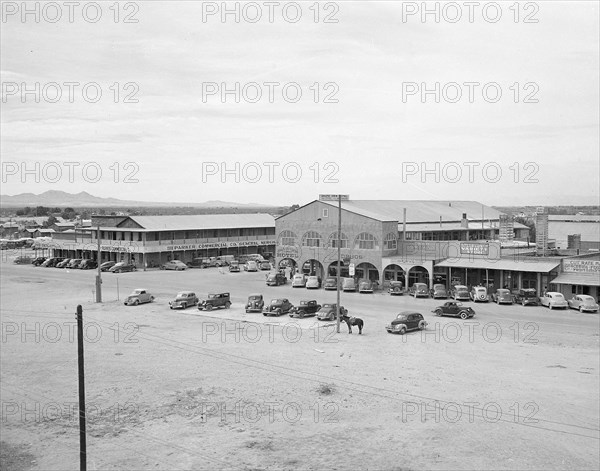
(419, 211)
(203, 221)
(450, 226)
(584, 279)
(525, 264)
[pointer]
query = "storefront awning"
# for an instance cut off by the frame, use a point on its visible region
(584, 279)
(531, 265)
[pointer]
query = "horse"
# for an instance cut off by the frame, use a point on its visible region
(350, 321)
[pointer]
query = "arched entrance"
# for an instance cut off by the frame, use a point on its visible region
(313, 267)
(417, 274)
(332, 269)
(286, 263)
(366, 270)
(394, 272)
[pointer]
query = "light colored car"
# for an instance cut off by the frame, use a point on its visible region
(299, 281)
(553, 300)
(138, 296)
(331, 283)
(583, 302)
(419, 290)
(348, 284)
(365, 286)
(439, 291)
(251, 265)
(313, 282)
(479, 294)
(183, 300)
(396, 288)
(461, 293)
(174, 265)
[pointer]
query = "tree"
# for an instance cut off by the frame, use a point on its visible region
(530, 224)
(51, 220)
(68, 214)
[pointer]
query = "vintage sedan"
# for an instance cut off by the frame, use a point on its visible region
(299, 281)
(313, 282)
(276, 279)
(183, 300)
(479, 294)
(122, 267)
(88, 264)
(74, 263)
(454, 309)
(305, 308)
(554, 300)
(107, 265)
(461, 293)
(526, 297)
(405, 321)
(502, 296)
(22, 260)
(52, 261)
(215, 300)
(439, 291)
(348, 285)
(328, 312)
(330, 283)
(419, 290)
(38, 261)
(366, 286)
(278, 307)
(64, 263)
(264, 266)
(138, 296)
(199, 263)
(250, 265)
(396, 288)
(234, 266)
(176, 265)
(583, 302)
(255, 303)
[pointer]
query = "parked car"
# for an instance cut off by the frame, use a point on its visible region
(439, 291)
(138, 296)
(313, 282)
(225, 260)
(88, 265)
(554, 300)
(176, 265)
(299, 281)
(23, 260)
(122, 267)
(583, 302)
(215, 300)
(396, 288)
(265, 266)
(419, 290)
(183, 300)
(106, 266)
(52, 261)
(479, 294)
(199, 263)
(502, 296)
(461, 293)
(276, 279)
(367, 286)
(305, 308)
(64, 263)
(74, 263)
(454, 309)
(526, 297)
(328, 312)
(251, 265)
(405, 321)
(349, 284)
(278, 307)
(330, 283)
(234, 266)
(255, 303)
(38, 261)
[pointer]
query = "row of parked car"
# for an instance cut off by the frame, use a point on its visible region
(77, 263)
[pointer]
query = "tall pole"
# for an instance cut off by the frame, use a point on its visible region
(99, 275)
(339, 256)
(82, 442)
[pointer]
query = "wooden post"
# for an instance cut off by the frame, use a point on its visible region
(82, 437)
(339, 255)
(99, 275)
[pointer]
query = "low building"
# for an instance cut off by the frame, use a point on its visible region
(579, 231)
(578, 275)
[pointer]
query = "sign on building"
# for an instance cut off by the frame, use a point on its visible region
(581, 266)
(351, 269)
(541, 231)
(474, 248)
(334, 197)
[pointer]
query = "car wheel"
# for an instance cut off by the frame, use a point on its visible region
(464, 315)
(183, 306)
(278, 312)
(300, 314)
(421, 325)
(136, 302)
(227, 305)
(331, 317)
(208, 307)
(151, 299)
(402, 331)
(265, 314)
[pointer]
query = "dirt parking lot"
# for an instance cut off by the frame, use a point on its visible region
(513, 388)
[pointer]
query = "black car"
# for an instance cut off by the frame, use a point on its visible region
(88, 265)
(305, 308)
(278, 307)
(52, 261)
(527, 296)
(38, 261)
(64, 263)
(122, 267)
(276, 279)
(107, 265)
(454, 309)
(405, 321)
(215, 300)
(74, 263)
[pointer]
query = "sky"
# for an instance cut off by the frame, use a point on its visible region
(324, 98)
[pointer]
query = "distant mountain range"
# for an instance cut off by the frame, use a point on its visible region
(61, 199)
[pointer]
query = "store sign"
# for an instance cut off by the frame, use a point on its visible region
(334, 197)
(219, 245)
(474, 249)
(116, 248)
(581, 266)
(287, 251)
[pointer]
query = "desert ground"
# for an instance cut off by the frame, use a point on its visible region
(514, 388)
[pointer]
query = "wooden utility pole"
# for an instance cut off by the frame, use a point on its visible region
(99, 275)
(82, 442)
(339, 256)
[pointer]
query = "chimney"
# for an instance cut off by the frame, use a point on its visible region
(464, 222)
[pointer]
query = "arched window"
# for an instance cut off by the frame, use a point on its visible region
(366, 241)
(391, 242)
(287, 238)
(333, 241)
(311, 239)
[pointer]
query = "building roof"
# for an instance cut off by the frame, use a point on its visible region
(64, 224)
(419, 211)
(525, 264)
(574, 217)
(201, 221)
(584, 279)
(451, 226)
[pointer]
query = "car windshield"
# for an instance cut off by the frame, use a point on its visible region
(327, 306)
(439, 287)
(558, 296)
(304, 303)
(183, 294)
(401, 317)
(137, 291)
(312, 278)
(255, 298)
(275, 301)
(503, 291)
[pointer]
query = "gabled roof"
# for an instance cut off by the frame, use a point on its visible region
(202, 221)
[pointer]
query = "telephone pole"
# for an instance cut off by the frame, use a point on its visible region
(99, 275)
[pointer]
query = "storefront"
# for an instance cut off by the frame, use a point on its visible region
(579, 275)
